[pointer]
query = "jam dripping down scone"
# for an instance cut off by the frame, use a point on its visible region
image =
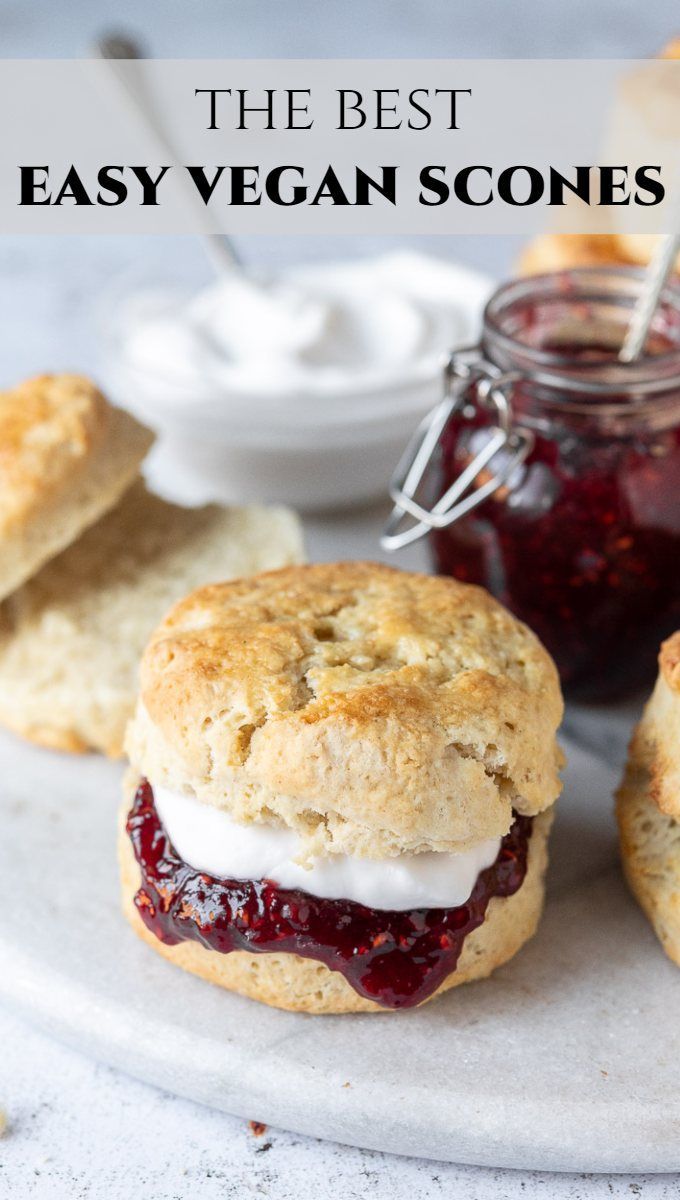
(341, 786)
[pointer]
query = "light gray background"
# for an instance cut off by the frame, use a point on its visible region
(355, 28)
(76, 1129)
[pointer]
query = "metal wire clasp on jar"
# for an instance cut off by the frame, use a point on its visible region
(470, 385)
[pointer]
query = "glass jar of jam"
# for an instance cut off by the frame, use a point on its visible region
(550, 473)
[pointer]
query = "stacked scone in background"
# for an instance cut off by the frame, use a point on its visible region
(90, 560)
(648, 804)
(341, 786)
(562, 251)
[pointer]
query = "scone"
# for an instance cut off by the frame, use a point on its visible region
(648, 804)
(563, 251)
(72, 637)
(66, 457)
(341, 786)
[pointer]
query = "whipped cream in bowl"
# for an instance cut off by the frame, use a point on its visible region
(300, 386)
(209, 840)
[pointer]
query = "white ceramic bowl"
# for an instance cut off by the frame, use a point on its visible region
(336, 451)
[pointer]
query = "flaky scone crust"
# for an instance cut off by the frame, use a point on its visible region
(66, 457)
(374, 711)
(656, 741)
(304, 985)
(650, 849)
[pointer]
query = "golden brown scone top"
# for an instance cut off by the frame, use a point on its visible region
(371, 709)
(50, 426)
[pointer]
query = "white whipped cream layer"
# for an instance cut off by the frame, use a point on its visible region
(209, 840)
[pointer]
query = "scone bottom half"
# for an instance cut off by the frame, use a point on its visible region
(298, 945)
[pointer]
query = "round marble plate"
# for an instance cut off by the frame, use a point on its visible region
(566, 1059)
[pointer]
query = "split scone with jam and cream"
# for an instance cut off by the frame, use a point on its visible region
(648, 804)
(341, 786)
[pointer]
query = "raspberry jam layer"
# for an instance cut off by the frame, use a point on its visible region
(396, 959)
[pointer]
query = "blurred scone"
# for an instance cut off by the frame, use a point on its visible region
(71, 638)
(648, 804)
(341, 783)
(66, 457)
(562, 251)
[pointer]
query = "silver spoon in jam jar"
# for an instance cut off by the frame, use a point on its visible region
(660, 267)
